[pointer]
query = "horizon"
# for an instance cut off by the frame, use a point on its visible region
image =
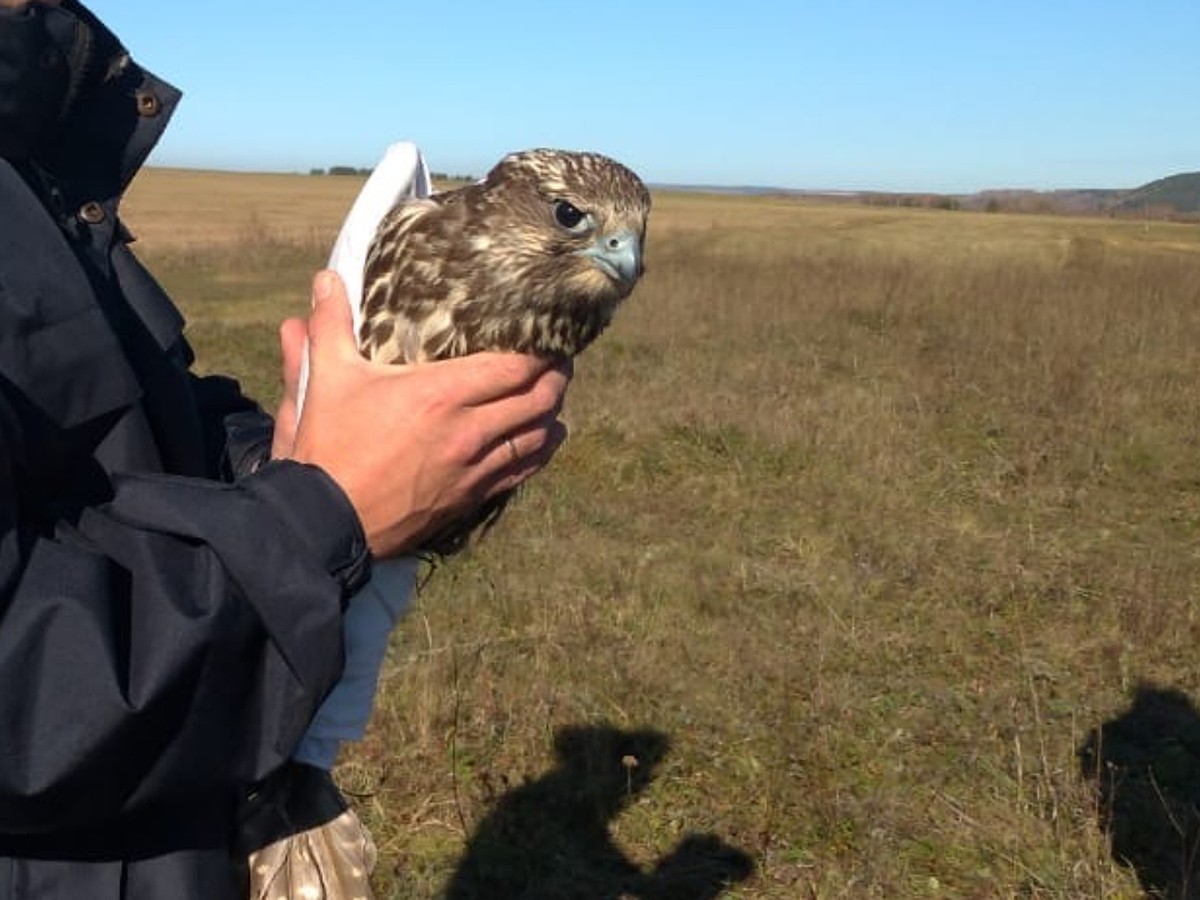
(324, 171)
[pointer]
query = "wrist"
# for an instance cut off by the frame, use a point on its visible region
(321, 515)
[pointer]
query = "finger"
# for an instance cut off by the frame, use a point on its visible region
(292, 335)
(522, 410)
(516, 476)
(529, 452)
(484, 377)
(331, 324)
(538, 443)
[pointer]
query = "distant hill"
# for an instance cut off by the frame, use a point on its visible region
(1174, 197)
(1177, 196)
(1181, 193)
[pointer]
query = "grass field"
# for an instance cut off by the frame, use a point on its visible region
(870, 568)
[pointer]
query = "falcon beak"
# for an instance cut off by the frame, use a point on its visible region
(618, 255)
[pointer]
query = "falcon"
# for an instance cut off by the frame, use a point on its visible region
(535, 258)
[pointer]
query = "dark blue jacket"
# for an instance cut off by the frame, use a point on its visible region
(170, 604)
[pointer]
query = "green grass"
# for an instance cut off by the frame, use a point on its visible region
(868, 522)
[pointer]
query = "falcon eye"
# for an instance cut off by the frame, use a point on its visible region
(567, 215)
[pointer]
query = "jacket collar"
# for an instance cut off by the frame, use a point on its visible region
(56, 345)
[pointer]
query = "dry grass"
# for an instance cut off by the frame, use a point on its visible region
(874, 544)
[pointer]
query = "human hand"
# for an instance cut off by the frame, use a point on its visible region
(414, 447)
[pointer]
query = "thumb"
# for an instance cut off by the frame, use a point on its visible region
(331, 324)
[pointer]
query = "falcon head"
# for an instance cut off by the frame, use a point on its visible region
(535, 258)
(575, 219)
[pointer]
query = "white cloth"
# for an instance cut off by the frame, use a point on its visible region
(374, 610)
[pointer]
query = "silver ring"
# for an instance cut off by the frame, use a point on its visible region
(512, 448)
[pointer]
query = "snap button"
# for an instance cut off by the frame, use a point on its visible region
(92, 213)
(148, 104)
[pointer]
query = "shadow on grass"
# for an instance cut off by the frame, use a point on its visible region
(550, 839)
(1146, 767)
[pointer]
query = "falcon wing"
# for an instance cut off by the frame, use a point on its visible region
(400, 257)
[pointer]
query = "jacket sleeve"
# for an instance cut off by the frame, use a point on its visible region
(173, 642)
(237, 432)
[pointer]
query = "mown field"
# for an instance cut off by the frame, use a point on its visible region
(870, 568)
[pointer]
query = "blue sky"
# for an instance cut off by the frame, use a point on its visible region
(851, 95)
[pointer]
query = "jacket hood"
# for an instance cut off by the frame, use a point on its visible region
(73, 105)
(48, 54)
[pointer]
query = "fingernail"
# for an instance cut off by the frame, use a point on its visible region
(322, 287)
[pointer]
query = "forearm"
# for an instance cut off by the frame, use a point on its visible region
(176, 642)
